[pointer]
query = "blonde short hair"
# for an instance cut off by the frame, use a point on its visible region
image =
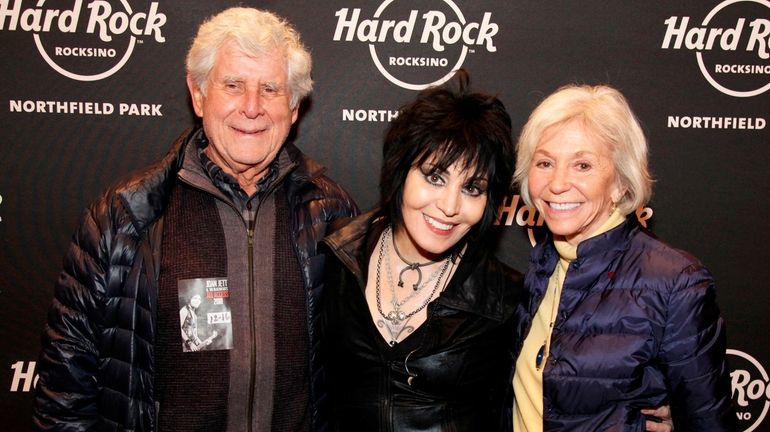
(256, 32)
(605, 113)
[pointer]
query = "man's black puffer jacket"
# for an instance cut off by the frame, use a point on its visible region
(96, 368)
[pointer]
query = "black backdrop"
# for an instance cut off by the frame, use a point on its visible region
(80, 108)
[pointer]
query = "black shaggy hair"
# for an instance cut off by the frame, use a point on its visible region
(449, 124)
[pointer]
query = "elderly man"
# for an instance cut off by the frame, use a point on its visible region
(232, 205)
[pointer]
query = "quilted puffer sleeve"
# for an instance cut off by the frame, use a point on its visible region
(66, 392)
(693, 353)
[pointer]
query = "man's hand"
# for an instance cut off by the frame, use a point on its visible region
(663, 413)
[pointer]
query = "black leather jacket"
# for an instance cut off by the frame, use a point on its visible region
(461, 358)
(96, 366)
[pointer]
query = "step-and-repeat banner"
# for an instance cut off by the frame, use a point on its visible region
(93, 89)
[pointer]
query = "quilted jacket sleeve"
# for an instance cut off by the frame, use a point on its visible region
(329, 202)
(693, 355)
(66, 392)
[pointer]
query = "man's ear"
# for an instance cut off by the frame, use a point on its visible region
(197, 96)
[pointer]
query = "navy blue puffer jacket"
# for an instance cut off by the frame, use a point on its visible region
(638, 326)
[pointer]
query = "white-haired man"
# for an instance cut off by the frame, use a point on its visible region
(231, 201)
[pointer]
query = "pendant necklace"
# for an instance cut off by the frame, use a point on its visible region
(396, 316)
(388, 269)
(410, 266)
(545, 349)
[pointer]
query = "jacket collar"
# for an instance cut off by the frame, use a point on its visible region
(145, 194)
(595, 255)
(473, 288)
(352, 240)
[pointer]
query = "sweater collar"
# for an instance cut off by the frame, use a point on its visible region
(146, 193)
(201, 172)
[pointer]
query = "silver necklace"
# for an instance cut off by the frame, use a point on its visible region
(397, 316)
(410, 266)
(389, 271)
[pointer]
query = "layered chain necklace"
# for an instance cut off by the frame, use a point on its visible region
(396, 317)
(416, 288)
(410, 266)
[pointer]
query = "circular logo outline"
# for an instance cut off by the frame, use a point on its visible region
(702, 66)
(406, 85)
(762, 372)
(95, 77)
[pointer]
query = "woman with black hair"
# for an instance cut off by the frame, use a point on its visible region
(418, 332)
